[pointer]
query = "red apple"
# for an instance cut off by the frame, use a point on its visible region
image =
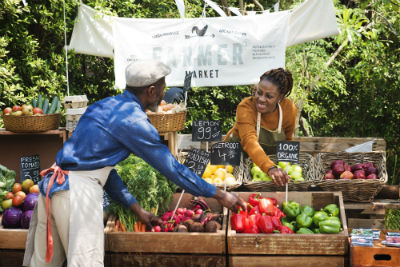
(37, 111)
(337, 170)
(367, 165)
(340, 162)
(16, 108)
(7, 111)
(347, 167)
(359, 174)
(329, 175)
(371, 170)
(372, 176)
(347, 175)
(356, 167)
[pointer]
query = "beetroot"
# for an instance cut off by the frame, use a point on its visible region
(356, 167)
(372, 176)
(359, 174)
(347, 167)
(337, 162)
(338, 170)
(371, 170)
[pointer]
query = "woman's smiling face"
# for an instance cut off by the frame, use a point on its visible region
(267, 97)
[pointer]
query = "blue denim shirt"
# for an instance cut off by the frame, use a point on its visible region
(108, 132)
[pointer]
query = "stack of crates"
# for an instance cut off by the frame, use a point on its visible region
(74, 106)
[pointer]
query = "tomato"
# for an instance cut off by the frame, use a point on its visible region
(16, 108)
(37, 111)
(7, 111)
(17, 201)
(34, 189)
(16, 187)
(9, 195)
(5, 204)
(26, 184)
(21, 193)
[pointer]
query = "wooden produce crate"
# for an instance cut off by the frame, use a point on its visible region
(169, 248)
(291, 250)
(378, 255)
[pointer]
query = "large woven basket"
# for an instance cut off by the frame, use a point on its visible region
(31, 124)
(237, 173)
(168, 122)
(306, 161)
(359, 190)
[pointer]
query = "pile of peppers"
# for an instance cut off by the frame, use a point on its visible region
(262, 216)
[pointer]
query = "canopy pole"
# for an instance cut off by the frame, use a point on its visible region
(65, 49)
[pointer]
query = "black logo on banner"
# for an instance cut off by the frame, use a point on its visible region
(287, 151)
(226, 153)
(206, 131)
(197, 161)
(199, 32)
(30, 168)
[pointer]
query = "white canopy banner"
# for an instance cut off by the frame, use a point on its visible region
(218, 51)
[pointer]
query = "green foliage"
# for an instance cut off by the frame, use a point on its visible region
(356, 94)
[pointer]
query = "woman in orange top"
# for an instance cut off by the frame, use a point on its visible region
(265, 118)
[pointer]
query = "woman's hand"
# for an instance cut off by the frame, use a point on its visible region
(278, 176)
(148, 218)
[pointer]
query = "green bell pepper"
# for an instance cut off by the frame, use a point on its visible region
(316, 231)
(291, 225)
(303, 220)
(330, 226)
(332, 209)
(291, 209)
(307, 210)
(319, 216)
(304, 230)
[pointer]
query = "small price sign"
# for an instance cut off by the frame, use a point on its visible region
(226, 153)
(30, 168)
(197, 161)
(206, 131)
(287, 151)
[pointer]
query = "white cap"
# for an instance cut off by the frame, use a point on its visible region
(145, 72)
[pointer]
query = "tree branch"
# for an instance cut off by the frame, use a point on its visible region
(258, 4)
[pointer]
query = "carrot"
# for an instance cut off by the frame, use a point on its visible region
(143, 227)
(123, 227)
(135, 227)
(117, 224)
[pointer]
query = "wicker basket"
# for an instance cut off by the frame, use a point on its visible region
(237, 173)
(165, 122)
(31, 124)
(359, 190)
(306, 161)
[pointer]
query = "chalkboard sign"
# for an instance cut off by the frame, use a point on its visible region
(30, 168)
(188, 81)
(197, 161)
(287, 151)
(206, 131)
(226, 153)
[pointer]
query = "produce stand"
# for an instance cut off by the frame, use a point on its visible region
(169, 248)
(12, 246)
(290, 250)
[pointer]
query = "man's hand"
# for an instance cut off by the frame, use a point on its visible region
(229, 200)
(278, 176)
(148, 218)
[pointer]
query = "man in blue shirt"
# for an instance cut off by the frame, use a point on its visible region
(106, 134)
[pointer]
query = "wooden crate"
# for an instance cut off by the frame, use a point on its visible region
(378, 255)
(12, 238)
(281, 244)
(170, 242)
(287, 261)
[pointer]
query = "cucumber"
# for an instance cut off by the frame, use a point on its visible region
(34, 102)
(53, 105)
(40, 102)
(58, 109)
(45, 106)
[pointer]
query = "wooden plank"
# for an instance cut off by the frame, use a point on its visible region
(386, 204)
(171, 242)
(286, 261)
(12, 238)
(366, 223)
(166, 260)
(11, 258)
(280, 244)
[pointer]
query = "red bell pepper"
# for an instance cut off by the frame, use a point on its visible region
(254, 199)
(252, 227)
(255, 210)
(278, 213)
(285, 230)
(266, 206)
(238, 221)
(274, 201)
(276, 222)
(264, 224)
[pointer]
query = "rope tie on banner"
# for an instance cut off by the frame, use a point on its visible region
(65, 48)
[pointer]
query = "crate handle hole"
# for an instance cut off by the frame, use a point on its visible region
(382, 257)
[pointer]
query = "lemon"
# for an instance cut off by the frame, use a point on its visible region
(213, 168)
(208, 180)
(220, 173)
(218, 181)
(230, 180)
(229, 175)
(207, 173)
(229, 168)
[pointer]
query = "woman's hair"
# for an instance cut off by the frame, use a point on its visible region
(281, 78)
